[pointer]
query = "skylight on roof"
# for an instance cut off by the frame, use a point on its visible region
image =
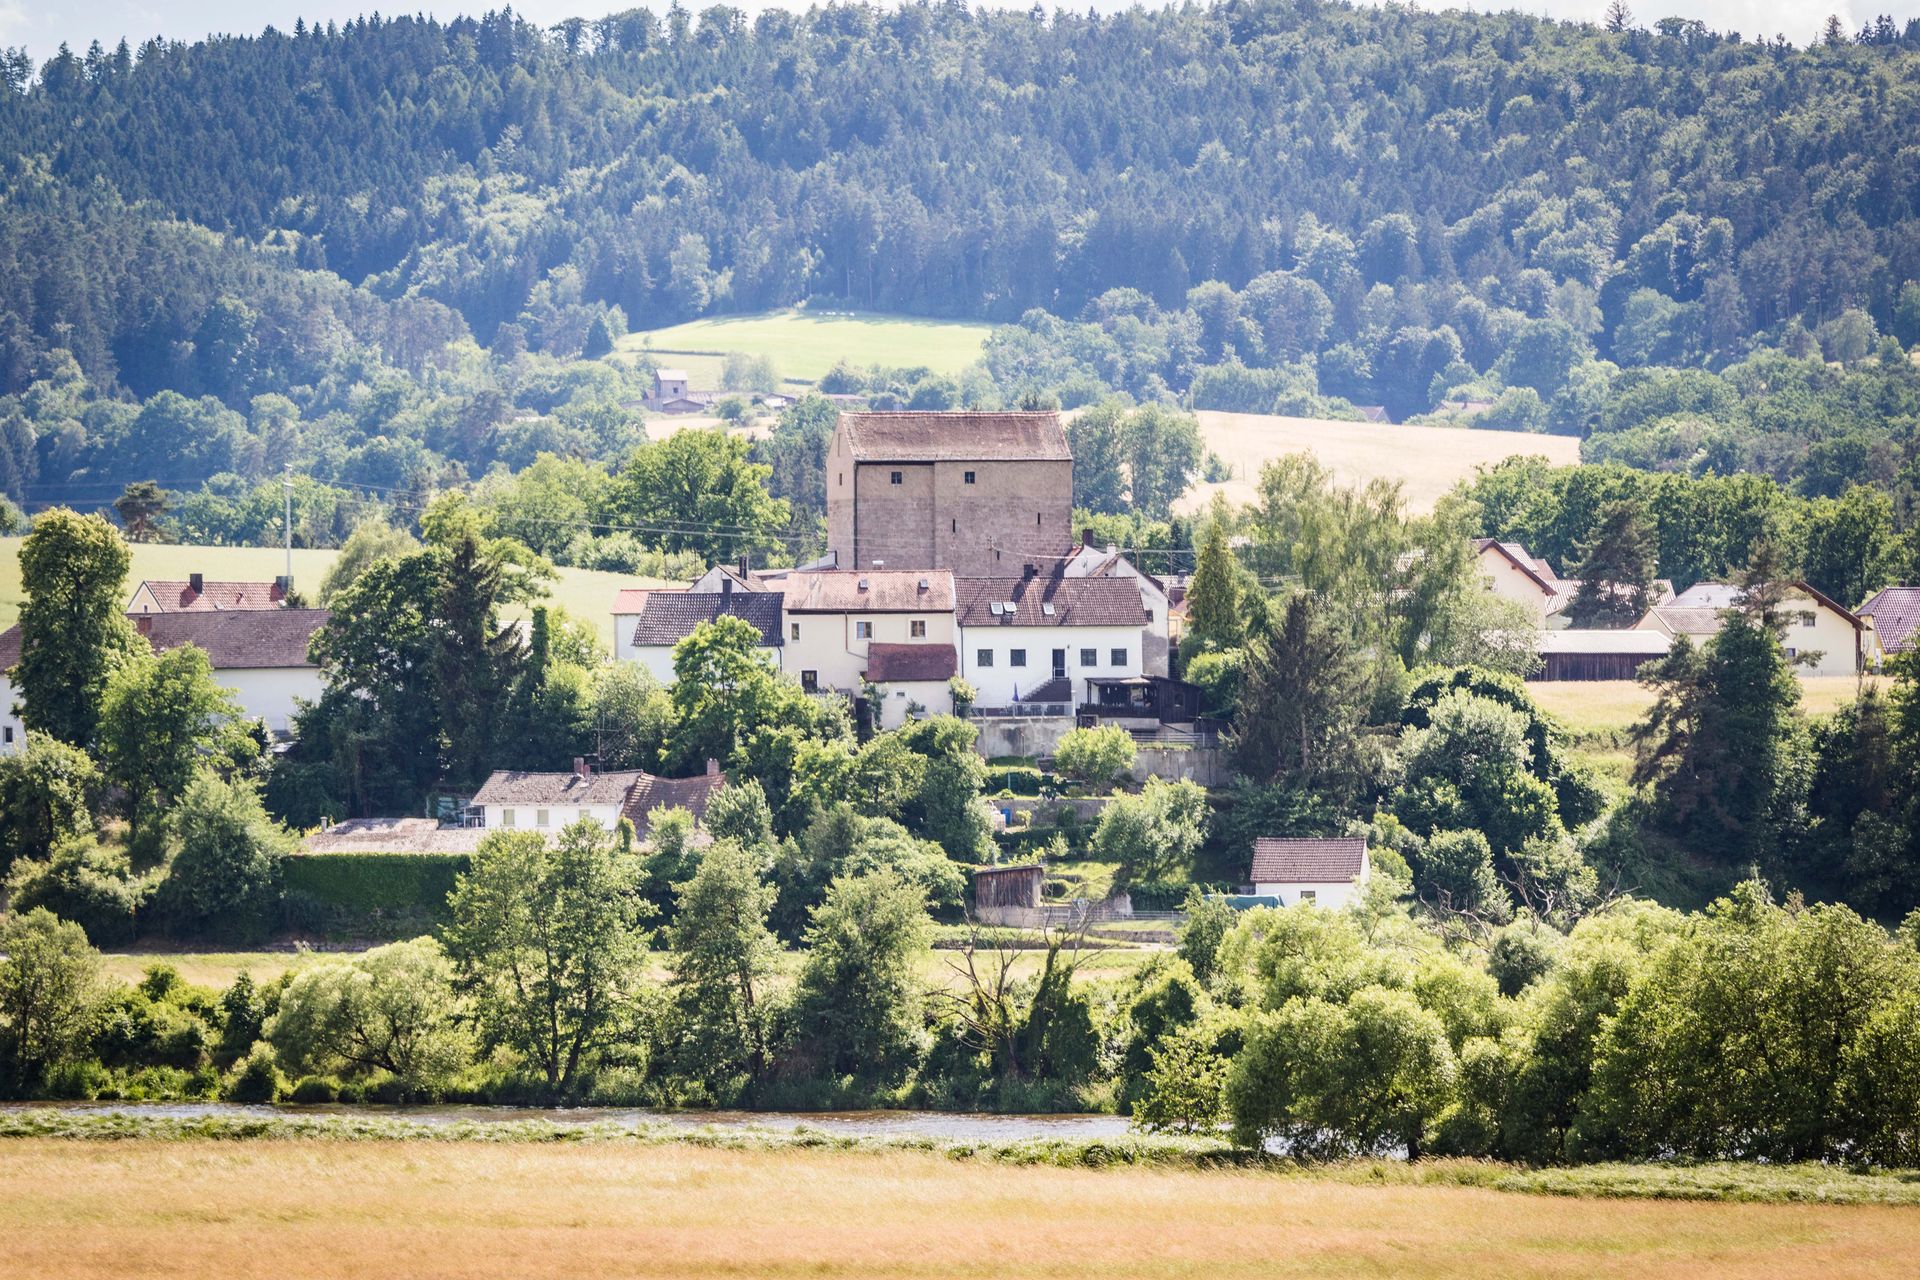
(1011, 607)
(1047, 608)
(994, 607)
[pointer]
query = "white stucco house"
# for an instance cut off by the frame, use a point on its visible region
(648, 624)
(1040, 638)
(259, 654)
(1510, 572)
(1816, 625)
(512, 800)
(912, 681)
(13, 733)
(1323, 872)
(1089, 561)
(833, 618)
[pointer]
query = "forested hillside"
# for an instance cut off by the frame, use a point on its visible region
(1251, 205)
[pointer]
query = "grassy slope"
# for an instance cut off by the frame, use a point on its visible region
(1612, 706)
(1426, 460)
(585, 593)
(804, 345)
(383, 1208)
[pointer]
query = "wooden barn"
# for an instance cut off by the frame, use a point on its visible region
(1008, 895)
(1598, 655)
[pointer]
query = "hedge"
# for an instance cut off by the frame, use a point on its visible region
(367, 891)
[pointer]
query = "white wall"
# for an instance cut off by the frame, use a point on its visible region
(13, 734)
(268, 693)
(933, 695)
(657, 658)
(623, 625)
(1156, 647)
(995, 684)
(1503, 578)
(829, 644)
(526, 817)
(1331, 896)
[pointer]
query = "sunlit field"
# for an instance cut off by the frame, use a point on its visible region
(586, 594)
(1427, 461)
(805, 344)
(1603, 706)
(430, 1209)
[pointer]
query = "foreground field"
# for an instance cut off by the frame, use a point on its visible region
(804, 345)
(1613, 706)
(382, 1209)
(1427, 461)
(585, 593)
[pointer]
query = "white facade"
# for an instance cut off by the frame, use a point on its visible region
(1331, 894)
(545, 818)
(1006, 662)
(269, 693)
(1813, 626)
(657, 658)
(829, 650)
(1501, 576)
(1155, 638)
(897, 700)
(13, 733)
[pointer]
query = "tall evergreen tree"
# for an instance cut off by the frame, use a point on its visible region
(1616, 570)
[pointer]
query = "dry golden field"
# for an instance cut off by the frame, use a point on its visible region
(1603, 706)
(1427, 461)
(380, 1210)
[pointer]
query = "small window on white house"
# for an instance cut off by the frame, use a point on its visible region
(897, 477)
(585, 814)
(810, 680)
(1089, 657)
(1807, 619)
(983, 658)
(863, 631)
(541, 818)
(917, 629)
(793, 632)
(1307, 895)
(9, 733)
(1016, 657)
(506, 817)
(969, 477)
(1119, 657)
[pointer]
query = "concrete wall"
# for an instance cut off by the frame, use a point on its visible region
(829, 644)
(997, 684)
(1037, 736)
(1207, 766)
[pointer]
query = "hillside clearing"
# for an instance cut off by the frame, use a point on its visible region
(586, 594)
(1614, 706)
(804, 345)
(1427, 461)
(193, 1208)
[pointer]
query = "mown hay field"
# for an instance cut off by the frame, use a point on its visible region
(1427, 461)
(1614, 706)
(804, 345)
(289, 1208)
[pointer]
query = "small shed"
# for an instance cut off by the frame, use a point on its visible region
(1598, 655)
(1009, 895)
(670, 384)
(1321, 871)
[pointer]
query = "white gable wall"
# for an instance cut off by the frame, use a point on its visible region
(996, 683)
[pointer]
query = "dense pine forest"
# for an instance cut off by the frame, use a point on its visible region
(1691, 245)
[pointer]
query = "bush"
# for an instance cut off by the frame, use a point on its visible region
(84, 882)
(311, 1089)
(358, 889)
(255, 1078)
(224, 881)
(1095, 756)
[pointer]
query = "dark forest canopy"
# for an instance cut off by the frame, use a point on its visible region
(1397, 207)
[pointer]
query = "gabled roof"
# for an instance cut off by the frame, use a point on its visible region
(1340, 860)
(692, 794)
(888, 663)
(1720, 596)
(668, 617)
(627, 600)
(869, 591)
(172, 596)
(1053, 601)
(1895, 612)
(241, 639)
(1535, 568)
(956, 437)
(636, 792)
(670, 375)
(1682, 620)
(9, 647)
(1594, 640)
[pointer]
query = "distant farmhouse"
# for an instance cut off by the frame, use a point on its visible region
(1823, 637)
(1320, 872)
(977, 493)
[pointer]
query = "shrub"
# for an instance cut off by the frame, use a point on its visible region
(224, 881)
(312, 1089)
(1095, 756)
(357, 885)
(85, 882)
(255, 1078)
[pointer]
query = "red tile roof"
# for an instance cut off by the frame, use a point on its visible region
(956, 437)
(888, 663)
(179, 596)
(1050, 602)
(1321, 861)
(238, 639)
(869, 591)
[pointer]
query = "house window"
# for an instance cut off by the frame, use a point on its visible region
(541, 818)
(1036, 518)
(793, 631)
(969, 477)
(585, 814)
(810, 681)
(1089, 657)
(984, 658)
(1307, 895)
(843, 479)
(506, 817)
(1149, 615)
(1119, 657)
(896, 477)
(863, 631)
(1016, 657)
(917, 629)
(1807, 619)
(9, 733)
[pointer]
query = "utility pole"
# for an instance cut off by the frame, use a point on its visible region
(286, 483)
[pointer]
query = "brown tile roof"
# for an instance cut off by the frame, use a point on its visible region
(1284, 861)
(887, 663)
(239, 639)
(668, 617)
(869, 591)
(1895, 612)
(180, 597)
(956, 437)
(1050, 602)
(636, 792)
(691, 794)
(9, 647)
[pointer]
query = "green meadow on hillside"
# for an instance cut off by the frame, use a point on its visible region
(805, 344)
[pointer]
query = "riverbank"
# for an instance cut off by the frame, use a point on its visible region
(1066, 1142)
(194, 1207)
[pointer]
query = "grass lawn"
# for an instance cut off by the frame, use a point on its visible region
(378, 1209)
(1427, 461)
(1612, 706)
(804, 345)
(587, 594)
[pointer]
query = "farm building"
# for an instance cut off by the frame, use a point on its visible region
(1009, 895)
(1322, 872)
(1891, 618)
(195, 594)
(1598, 655)
(1822, 637)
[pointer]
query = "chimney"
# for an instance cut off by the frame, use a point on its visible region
(713, 767)
(743, 568)
(579, 766)
(1086, 537)
(196, 582)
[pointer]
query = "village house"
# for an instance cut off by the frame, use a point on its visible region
(511, 800)
(910, 680)
(13, 731)
(1891, 617)
(1156, 638)
(1323, 872)
(197, 595)
(649, 623)
(833, 618)
(1039, 638)
(977, 493)
(1815, 625)
(1511, 573)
